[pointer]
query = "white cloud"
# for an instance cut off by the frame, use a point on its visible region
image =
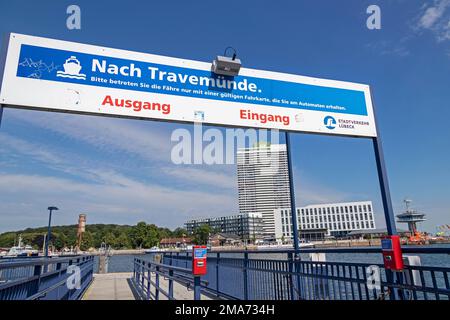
(118, 200)
(204, 175)
(146, 139)
(436, 18)
(9, 142)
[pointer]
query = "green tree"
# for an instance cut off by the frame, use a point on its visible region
(139, 234)
(201, 234)
(110, 240)
(87, 241)
(180, 232)
(123, 241)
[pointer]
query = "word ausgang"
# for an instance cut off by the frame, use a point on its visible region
(263, 117)
(137, 105)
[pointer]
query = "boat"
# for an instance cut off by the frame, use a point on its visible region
(152, 249)
(21, 250)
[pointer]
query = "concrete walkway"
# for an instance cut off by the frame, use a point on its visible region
(117, 286)
(110, 286)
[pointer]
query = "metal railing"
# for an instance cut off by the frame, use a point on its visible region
(153, 280)
(44, 278)
(276, 275)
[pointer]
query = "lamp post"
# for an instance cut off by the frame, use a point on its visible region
(50, 209)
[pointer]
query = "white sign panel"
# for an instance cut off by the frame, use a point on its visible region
(56, 75)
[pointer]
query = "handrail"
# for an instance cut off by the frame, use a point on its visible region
(405, 249)
(36, 261)
(142, 279)
(33, 278)
(277, 277)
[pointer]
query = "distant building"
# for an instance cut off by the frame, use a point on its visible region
(247, 227)
(224, 239)
(337, 219)
(263, 182)
(410, 217)
(175, 242)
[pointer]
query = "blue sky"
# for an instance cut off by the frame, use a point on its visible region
(119, 171)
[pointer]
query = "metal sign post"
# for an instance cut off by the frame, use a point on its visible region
(292, 196)
(295, 232)
(384, 187)
(1, 114)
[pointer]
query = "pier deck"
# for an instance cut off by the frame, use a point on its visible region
(110, 286)
(117, 286)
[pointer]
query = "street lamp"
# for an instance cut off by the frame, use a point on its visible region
(49, 228)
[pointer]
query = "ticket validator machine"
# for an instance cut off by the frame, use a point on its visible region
(199, 255)
(392, 253)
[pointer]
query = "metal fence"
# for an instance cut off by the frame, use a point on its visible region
(154, 281)
(277, 275)
(43, 278)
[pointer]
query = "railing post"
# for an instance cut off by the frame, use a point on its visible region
(142, 274)
(197, 288)
(33, 289)
(245, 276)
(134, 269)
(291, 274)
(170, 284)
(217, 272)
(149, 283)
(157, 283)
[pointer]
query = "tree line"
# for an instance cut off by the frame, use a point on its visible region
(142, 235)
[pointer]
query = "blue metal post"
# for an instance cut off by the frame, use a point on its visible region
(293, 211)
(170, 284)
(384, 187)
(197, 288)
(217, 272)
(48, 232)
(385, 194)
(1, 114)
(157, 283)
(292, 196)
(245, 276)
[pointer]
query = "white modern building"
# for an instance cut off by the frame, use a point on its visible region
(335, 219)
(263, 182)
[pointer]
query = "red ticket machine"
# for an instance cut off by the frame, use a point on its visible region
(392, 253)
(199, 254)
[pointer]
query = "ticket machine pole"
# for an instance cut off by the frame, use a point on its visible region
(392, 254)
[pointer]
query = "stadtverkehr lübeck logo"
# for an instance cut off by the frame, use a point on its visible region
(329, 122)
(72, 68)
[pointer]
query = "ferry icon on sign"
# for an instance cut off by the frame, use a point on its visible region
(72, 69)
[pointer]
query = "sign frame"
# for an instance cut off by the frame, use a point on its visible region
(343, 123)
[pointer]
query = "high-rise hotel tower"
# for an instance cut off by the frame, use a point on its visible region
(263, 182)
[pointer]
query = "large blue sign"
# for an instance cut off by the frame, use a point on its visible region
(102, 71)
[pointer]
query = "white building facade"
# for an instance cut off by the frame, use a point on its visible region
(263, 182)
(337, 219)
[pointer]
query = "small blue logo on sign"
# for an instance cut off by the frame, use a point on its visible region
(329, 122)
